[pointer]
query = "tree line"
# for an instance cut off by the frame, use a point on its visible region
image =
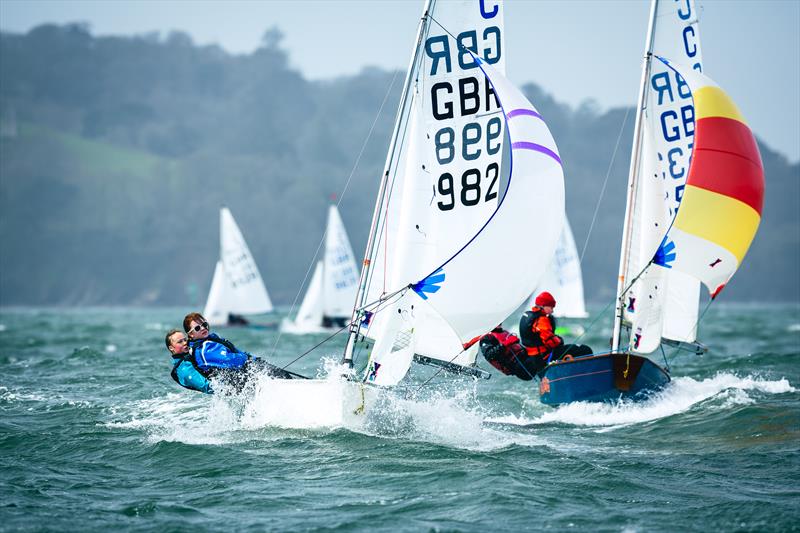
(117, 152)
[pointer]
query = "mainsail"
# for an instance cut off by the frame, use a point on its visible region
(330, 295)
(237, 286)
(443, 216)
(563, 278)
(662, 303)
(339, 273)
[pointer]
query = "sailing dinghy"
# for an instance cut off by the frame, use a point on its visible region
(328, 302)
(237, 288)
(468, 156)
(432, 279)
(695, 195)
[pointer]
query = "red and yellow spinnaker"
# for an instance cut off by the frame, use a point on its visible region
(721, 207)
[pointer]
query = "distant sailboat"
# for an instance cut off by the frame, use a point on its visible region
(237, 288)
(563, 278)
(332, 291)
(695, 194)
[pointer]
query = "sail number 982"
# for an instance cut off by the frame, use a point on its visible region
(471, 193)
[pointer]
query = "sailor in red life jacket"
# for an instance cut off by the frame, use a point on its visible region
(503, 351)
(537, 332)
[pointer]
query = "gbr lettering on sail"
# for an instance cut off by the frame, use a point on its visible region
(677, 39)
(462, 116)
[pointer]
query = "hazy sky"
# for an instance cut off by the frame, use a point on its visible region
(575, 49)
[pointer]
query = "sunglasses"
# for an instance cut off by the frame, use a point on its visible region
(197, 328)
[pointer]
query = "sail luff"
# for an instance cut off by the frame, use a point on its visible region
(376, 215)
(632, 180)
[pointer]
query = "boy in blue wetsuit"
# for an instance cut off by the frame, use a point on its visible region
(183, 370)
(218, 357)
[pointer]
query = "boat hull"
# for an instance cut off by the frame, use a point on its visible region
(600, 378)
(312, 403)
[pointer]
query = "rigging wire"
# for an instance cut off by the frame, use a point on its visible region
(287, 365)
(338, 202)
(378, 308)
(602, 311)
(605, 183)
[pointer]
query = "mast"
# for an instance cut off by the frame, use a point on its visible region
(633, 179)
(376, 215)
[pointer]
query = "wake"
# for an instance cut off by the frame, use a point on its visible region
(722, 392)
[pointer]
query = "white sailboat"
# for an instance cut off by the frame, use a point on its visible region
(564, 279)
(693, 151)
(448, 199)
(328, 302)
(237, 288)
(468, 156)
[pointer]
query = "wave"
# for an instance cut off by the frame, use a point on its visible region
(275, 409)
(679, 396)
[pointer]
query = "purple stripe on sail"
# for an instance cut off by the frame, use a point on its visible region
(524, 112)
(522, 145)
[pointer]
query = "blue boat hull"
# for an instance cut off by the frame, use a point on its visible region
(600, 378)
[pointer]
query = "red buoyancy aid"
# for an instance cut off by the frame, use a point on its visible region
(499, 348)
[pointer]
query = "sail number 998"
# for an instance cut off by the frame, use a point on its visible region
(471, 193)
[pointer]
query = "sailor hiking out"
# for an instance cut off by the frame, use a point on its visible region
(537, 334)
(215, 357)
(183, 370)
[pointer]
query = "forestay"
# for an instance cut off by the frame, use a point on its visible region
(237, 286)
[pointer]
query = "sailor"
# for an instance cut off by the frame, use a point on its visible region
(214, 356)
(537, 333)
(503, 351)
(183, 370)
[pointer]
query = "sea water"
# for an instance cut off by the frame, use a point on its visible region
(95, 435)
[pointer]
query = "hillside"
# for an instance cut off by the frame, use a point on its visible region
(116, 153)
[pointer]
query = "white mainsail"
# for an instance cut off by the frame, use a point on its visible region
(442, 216)
(662, 303)
(309, 316)
(237, 286)
(340, 273)
(449, 141)
(332, 290)
(563, 278)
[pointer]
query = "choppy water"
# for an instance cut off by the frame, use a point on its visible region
(95, 435)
